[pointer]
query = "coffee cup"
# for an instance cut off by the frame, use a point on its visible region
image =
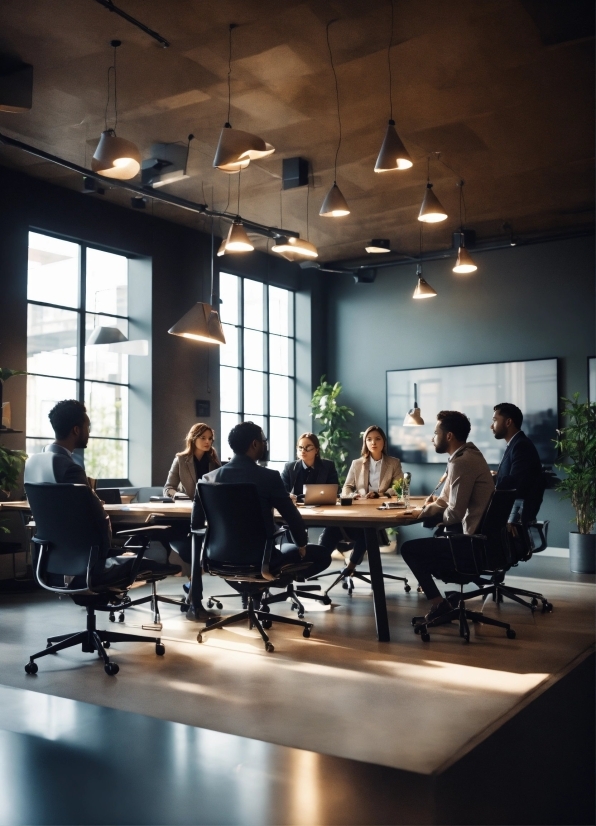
(345, 500)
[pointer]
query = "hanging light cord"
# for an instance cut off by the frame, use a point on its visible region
(337, 100)
(419, 267)
(231, 29)
(307, 202)
(112, 68)
(239, 174)
(389, 65)
(462, 205)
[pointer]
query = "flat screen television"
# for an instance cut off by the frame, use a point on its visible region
(592, 379)
(473, 389)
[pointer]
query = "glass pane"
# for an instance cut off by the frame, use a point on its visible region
(229, 293)
(228, 352)
(53, 271)
(281, 396)
(281, 355)
(52, 337)
(228, 420)
(107, 406)
(229, 389)
(281, 439)
(260, 420)
(106, 283)
(254, 393)
(254, 299)
(254, 350)
(100, 363)
(42, 394)
(36, 445)
(281, 311)
(106, 459)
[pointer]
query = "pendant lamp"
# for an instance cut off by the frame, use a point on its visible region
(379, 245)
(431, 211)
(200, 323)
(116, 342)
(334, 205)
(222, 249)
(393, 154)
(238, 240)
(413, 417)
(464, 263)
(423, 288)
(295, 249)
(115, 157)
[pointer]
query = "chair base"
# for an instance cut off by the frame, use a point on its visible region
(259, 619)
(91, 640)
(154, 599)
(290, 592)
(498, 590)
(348, 584)
(462, 615)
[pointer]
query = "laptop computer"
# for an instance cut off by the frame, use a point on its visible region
(320, 494)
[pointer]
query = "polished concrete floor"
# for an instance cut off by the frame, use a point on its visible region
(406, 704)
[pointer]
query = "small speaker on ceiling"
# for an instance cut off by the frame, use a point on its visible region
(294, 172)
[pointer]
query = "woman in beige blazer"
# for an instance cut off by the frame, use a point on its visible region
(191, 464)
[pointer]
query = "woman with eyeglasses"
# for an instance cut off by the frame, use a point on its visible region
(309, 468)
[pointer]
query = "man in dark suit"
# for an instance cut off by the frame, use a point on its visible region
(520, 468)
(249, 444)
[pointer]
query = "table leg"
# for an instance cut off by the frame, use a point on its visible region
(196, 581)
(378, 584)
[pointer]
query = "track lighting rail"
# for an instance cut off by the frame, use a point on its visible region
(107, 4)
(149, 192)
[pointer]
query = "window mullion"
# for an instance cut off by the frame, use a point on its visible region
(82, 319)
(241, 344)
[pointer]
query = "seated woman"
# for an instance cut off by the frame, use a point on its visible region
(198, 458)
(370, 477)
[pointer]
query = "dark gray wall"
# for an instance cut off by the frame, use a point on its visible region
(524, 302)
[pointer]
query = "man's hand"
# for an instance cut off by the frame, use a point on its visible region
(372, 494)
(302, 551)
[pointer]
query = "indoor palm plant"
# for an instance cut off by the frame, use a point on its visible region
(11, 461)
(332, 417)
(577, 444)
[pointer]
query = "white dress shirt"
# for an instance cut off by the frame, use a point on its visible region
(374, 474)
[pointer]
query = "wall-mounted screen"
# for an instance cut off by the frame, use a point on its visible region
(473, 389)
(592, 379)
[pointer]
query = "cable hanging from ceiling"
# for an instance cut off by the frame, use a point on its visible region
(334, 205)
(423, 288)
(464, 263)
(431, 211)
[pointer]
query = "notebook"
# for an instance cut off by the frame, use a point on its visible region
(320, 494)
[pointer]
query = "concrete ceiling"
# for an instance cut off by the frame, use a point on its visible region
(503, 89)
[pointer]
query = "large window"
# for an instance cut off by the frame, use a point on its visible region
(72, 288)
(257, 362)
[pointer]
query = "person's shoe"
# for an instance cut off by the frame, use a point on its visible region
(186, 587)
(439, 610)
(200, 614)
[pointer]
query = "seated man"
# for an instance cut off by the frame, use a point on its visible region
(462, 502)
(249, 444)
(520, 468)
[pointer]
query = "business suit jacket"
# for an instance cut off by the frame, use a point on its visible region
(358, 475)
(521, 470)
(323, 473)
(271, 491)
(182, 476)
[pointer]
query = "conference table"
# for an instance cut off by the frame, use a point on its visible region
(367, 514)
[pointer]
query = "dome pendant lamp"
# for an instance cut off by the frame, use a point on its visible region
(334, 205)
(378, 245)
(236, 149)
(464, 263)
(393, 154)
(115, 157)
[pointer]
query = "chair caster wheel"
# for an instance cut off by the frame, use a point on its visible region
(111, 669)
(547, 608)
(425, 637)
(121, 617)
(264, 608)
(300, 614)
(106, 643)
(510, 634)
(269, 647)
(210, 603)
(267, 623)
(112, 617)
(184, 607)
(219, 606)
(306, 632)
(419, 589)
(344, 585)
(32, 668)
(327, 601)
(160, 649)
(417, 629)
(293, 607)
(407, 589)
(199, 638)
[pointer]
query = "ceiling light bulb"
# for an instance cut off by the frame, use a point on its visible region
(200, 323)
(464, 262)
(236, 149)
(238, 240)
(334, 205)
(393, 154)
(378, 245)
(116, 157)
(431, 211)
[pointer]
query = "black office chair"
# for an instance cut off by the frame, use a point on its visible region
(236, 548)
(73, 557)
(486, 553)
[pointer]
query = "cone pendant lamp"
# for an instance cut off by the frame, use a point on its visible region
(464, 261)
(413, 417)
(334, 205)
(222, 249)
(295, 249)
(423, 288)
(238, 240)
(236, 149)
(431, 211)
(200, 323)
(116, 157)
(393, 154)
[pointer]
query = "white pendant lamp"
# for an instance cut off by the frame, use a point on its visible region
(222, 249)
(236, 149)
(423, 288)
(413, 417)
(116, 342)
(464, 263)
(200, 323)
(295, 249)
(238, 240)
(378, 245)
(393, 154)
(431, 211)
(334, 205)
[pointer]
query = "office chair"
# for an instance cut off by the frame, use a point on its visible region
(347, 580)
(73, 557)
(236, 548)
(485, 553)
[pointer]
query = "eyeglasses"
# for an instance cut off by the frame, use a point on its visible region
(307, 449)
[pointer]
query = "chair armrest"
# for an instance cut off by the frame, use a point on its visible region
(198, 531)
(146, 530)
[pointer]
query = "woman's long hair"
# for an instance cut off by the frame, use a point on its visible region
(365, 451)
(193, 434)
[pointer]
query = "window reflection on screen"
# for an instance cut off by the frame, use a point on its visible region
(474, 390)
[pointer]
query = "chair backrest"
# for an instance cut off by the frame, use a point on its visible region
(497, 550)
(68, 517)
(39, 468)
(110, 496)
(236, 533)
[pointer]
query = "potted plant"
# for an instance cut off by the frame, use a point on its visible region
(5, 374)
(577, 444)
(11, 465)
(332, 418)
